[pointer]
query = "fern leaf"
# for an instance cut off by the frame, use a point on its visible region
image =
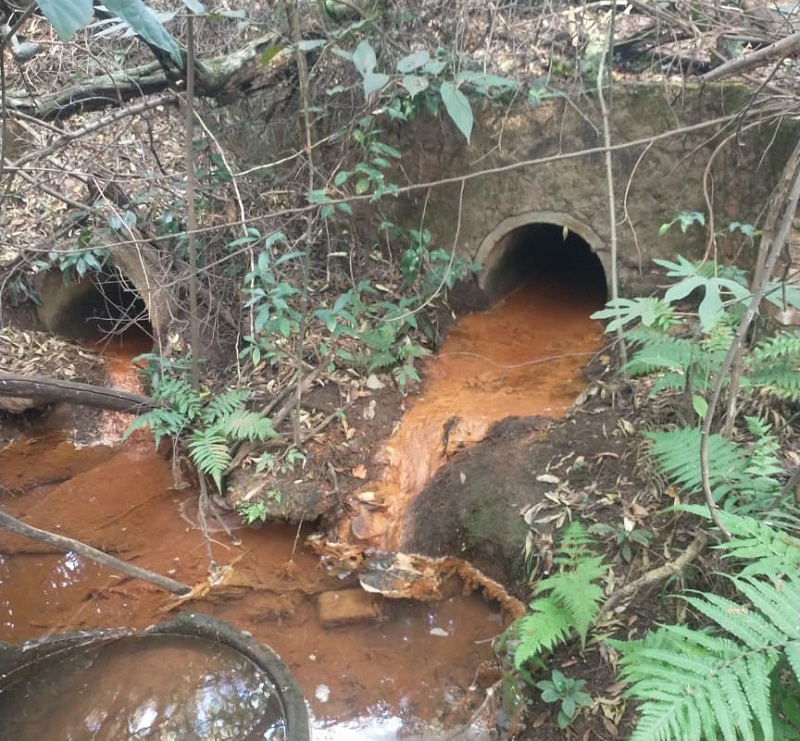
(210, 452)
(773, 365)
(769, 550)
(659, 352)
(547, 625)
(578, 592)
(225, 404)
(696, 684)
(243, 425)
(687, 688)
(162, 423)
(676, 453)
(748, 626)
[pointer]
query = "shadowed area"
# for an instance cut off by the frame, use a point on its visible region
(540, 252)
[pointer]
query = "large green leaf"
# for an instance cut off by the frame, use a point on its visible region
(458, 108)
(67, 16)
(364, 58)
(142, 22)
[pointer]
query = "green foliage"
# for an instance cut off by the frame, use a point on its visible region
(719, 284)
(419, 77)
(684, 220)
(81, 260)
(566, 601)
(276, 320)
(686, 351)
(740, 476)
(566, 691)
(212, 423)
(762, 546)
(626, 535)
(252, 512)
(773, 363)
(67, 16)
(725, 682)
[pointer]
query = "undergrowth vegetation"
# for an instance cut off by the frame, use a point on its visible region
(731, 668)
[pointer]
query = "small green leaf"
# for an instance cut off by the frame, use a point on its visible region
(142, 22)
(270, 53)
(373, 82)
(458, 108)
(414, 84)
(311, 44)
(413, 61)
(700, 405)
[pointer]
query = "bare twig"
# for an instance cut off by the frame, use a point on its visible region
(603, 74)
(781, 48)
(93, 554)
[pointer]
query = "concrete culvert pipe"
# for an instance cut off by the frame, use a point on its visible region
(521, 250)
(97, 307)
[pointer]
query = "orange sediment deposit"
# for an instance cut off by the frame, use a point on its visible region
(522, 358)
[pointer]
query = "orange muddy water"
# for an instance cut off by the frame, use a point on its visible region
(523, 358)
(416, 663)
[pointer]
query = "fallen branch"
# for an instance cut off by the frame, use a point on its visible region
(782, 48)
(53, 389)
(66, 544)
(656, 575)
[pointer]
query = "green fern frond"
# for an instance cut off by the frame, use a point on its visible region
(701, 685)
(566, 601)
(574, 544)
(210, 452)
(542, 629)
(774, 363)
(223, 405)
(243, 425)
(658, 352)
(181, 396)
(161, 421)
(676, 453)
(577, 590)
(766, 548)
(748, 473)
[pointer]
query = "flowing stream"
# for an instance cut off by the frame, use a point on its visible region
(414, 663)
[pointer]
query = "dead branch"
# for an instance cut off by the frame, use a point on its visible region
(656, 575)
(53, 389)
(782, 48)
(225, 78)
(93, 554)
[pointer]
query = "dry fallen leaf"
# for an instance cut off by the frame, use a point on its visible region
(360, 471)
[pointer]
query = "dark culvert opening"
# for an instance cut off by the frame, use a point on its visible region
(100, 308)
(541, 252)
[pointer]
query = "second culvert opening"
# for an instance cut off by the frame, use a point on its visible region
(96, 308)
(548, 254)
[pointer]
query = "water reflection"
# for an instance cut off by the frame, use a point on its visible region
(153, 687)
